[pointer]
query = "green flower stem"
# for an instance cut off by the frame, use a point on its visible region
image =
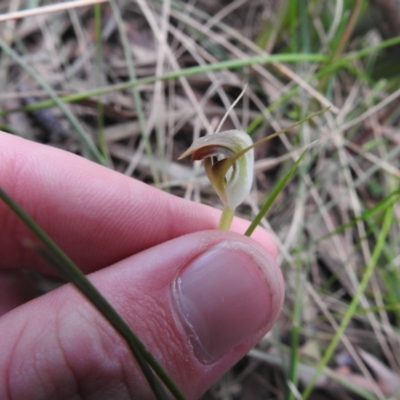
(226, 218)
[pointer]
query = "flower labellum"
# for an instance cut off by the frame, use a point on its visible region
(229, 163)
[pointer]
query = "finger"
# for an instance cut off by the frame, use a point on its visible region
(97, 216)
(199, 303)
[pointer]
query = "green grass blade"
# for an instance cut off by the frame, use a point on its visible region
(228, 64)
(382, 205)
(293, 370)
(137, 101)
(99, 68)
(273, 195)
(305, 24)
(350, 312)
(64, 265)
(95, 154)
(275, 360)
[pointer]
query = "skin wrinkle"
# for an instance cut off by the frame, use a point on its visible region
(37, 374)
(16, 359)
(157, 324)
(114, 348)
(8, 369)
(55, 385)
(104, 356)
(166, 348)
(34, 372)
(74, 381)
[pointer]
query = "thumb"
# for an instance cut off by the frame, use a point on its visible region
(198, 302)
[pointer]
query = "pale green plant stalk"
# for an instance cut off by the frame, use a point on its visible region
(226, 218)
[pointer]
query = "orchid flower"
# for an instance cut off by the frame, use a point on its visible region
(229, 163)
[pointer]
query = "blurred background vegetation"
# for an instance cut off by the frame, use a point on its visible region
(130, 84)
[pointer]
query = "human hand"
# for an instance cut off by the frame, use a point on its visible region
(199, 298)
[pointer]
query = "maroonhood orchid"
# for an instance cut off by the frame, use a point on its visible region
(230, 175)
(229, 162)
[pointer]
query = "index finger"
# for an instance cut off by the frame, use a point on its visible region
(96, 215)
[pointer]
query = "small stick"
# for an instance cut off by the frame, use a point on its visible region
(48, 9)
